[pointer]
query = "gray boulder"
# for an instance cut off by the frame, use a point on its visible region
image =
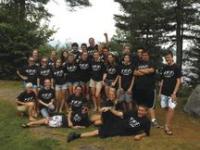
(193, 104)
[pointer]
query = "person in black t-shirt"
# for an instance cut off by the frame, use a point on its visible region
(126, 81)
(97, 71)
(52, 59)
(144, 85)
(60, 85)
(129, 123)
(92, 47)
(44, 72)
(36, 57)
(46, 97)
(83, 47)
(84, 66)
(29, 73)
(169, 86)
(71, 69)
(26, 101)
(75, 51)
(78, 114)
(110, 77)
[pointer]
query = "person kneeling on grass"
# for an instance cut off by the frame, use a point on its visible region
(26, 101)
(129, 123)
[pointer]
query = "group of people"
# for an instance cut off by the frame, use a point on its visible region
(119, 89)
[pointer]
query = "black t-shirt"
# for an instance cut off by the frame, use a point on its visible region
(72, 71)
(91, 50)
(97, 70)
(112, 71)
(44, 73)
(26, 97)
(59, 75)
(169, 76)
(30, 72)
(146, 82)
(126, 73)
(51, 63)
(85, 69)
(135, 125)
(46, 95)
(76, 102)
(80, 119)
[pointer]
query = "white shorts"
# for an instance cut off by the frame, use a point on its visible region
(95, 84)
(55, 121)
(167, 102)
(60, 87)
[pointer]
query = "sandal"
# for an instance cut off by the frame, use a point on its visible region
(168, 131)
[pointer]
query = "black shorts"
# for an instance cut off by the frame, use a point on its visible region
(112, 125)
(144, 97)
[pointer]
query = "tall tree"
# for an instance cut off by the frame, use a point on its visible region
(142, 22)
(24, 25)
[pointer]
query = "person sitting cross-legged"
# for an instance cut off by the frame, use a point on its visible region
(129, 123)
(26, 101)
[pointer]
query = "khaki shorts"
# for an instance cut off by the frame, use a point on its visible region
(95, 84)
(21, 108)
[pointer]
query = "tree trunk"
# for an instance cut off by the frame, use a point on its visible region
(179, 34)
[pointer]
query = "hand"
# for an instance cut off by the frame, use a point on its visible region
(173, 96)
(112, 84)
(129, 91)
(105, 109)
(25, 78)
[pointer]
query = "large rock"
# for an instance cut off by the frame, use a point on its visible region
(193, 104)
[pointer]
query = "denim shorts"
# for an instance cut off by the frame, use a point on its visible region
(167, 102)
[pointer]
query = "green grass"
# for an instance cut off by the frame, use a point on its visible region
(13, 137)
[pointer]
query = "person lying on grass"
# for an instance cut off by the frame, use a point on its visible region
(125, 124)
(78, 119)
(26, 102)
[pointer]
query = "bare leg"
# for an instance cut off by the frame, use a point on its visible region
(57, 100)
(98, 97)
(93, 90)
(62, 100)
(30, 107)
(90, 134)
(38, 122)
(130, 106)
(169, 117)
(152, 113)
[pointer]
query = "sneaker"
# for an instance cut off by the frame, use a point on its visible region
(72, 136)
(155, 124)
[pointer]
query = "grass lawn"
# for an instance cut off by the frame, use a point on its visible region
(13, 137)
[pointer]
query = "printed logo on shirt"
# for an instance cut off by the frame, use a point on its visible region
(111, 70)
(28, 99)
(96, 67)
(31, 72)
(168, 73)
(71, 68)
(84, 66)
(126, 72)
(76, 103)
(58, 73)
(46, 95)
(133, 123)
(77, 118)
(45, 72)
(143, 66)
